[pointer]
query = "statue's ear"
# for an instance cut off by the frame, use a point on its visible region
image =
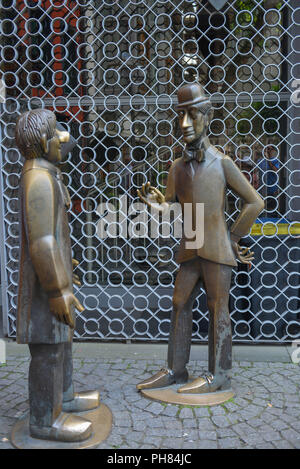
(44, 143)
(209, 116)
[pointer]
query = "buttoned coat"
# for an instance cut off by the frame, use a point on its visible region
(43, 202)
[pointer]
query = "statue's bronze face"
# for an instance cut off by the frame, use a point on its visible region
(192, 123)
(53, 146)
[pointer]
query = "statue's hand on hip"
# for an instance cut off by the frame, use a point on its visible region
(60, 307)
(243, 254)
(152, 196)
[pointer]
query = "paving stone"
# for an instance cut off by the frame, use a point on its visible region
(172, 443)
(156, 422)
(170, 410)
(247, 422)
(134, 436)
(296, 425)
(271, 436)
(6, 424)
(221, 421)
(223, 432)
(245, 415)
(278, 424)
(207, 435)
(155, 408)
(5, 444)
(242, 429)
(207, 444)
(255, 422)
(142, 404)
(201, 412)
(190, 445)
(147, 447)
(232, 443)
(206, 424)
(282, 444)
(121, 430)
(190, 423)
(241, 402)
(252, 439)
(190, 434)
(173, 423)
(292, 436)
(288, 418)
(138, 426)
(233, 417)
(231, 407)
(264, 446)
(161, 432)
(218, 410)
(186, 413)
(138, 415)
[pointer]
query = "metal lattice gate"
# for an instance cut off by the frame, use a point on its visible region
(110, 70)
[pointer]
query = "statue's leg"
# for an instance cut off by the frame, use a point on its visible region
(46, 420)
(217, 278)
(187, 287)
(68, 387)
(75, 401)
(45, 382)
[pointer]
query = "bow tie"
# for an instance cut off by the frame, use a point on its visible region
(190, 155)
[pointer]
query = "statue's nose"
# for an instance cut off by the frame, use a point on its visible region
(63, 136)
(186, 122)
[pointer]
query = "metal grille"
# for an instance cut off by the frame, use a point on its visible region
(110, 70)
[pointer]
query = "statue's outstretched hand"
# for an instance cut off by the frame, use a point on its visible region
(150, 195)
(243, 254)
(60, 307)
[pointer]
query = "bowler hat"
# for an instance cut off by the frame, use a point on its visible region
(191, 93)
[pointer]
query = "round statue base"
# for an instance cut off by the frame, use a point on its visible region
(171, 396)
(101, 419)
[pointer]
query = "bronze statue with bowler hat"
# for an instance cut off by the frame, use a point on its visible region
(201, 175)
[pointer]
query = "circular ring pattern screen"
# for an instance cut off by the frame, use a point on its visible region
(110, 70)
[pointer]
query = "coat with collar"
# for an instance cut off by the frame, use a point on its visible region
(206, 183)
(43, 202)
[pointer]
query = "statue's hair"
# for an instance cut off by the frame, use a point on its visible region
(29, 130)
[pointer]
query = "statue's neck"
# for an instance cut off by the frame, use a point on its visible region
(40, 163)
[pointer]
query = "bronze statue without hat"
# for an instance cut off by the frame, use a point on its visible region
(201, 176)
(46, 301)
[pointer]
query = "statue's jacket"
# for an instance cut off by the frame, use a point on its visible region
(206, 183)
(45, 253)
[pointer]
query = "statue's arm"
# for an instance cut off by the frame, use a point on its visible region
(253, 203)
(40, 207)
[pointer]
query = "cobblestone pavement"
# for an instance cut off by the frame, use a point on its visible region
(265, 413)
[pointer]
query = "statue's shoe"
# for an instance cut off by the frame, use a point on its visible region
(163, 378)
(67, 427)
(205, 384)
(82, 401)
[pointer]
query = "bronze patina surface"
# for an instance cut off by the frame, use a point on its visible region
(100, 418)
(201, 176)
(46, 301)
(171, 396)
